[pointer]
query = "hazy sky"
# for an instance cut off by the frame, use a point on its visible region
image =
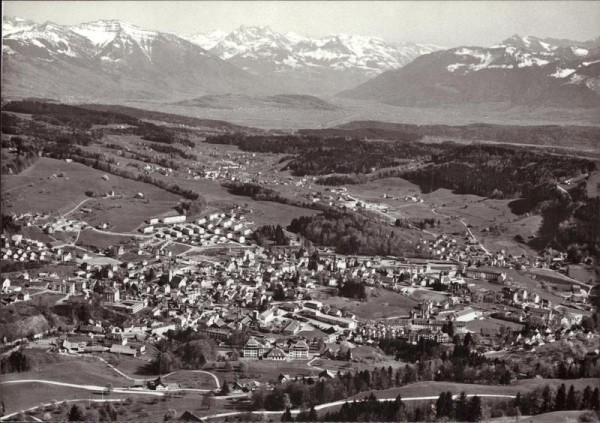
(443, 23)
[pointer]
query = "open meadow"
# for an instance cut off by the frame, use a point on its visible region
(381, 304)
(57, 187)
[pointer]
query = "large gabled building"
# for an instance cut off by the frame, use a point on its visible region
(299, 350)
(253, 348)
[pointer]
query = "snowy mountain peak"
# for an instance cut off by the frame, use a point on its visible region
(11, 25)
(208, 40)
(257, 47)
(102, 32)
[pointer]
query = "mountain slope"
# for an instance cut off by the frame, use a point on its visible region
(522, 70)
(328, 64)
(112, 60)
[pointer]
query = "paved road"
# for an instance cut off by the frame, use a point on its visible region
(8, 416)
(121, 233)
(86, 387)
(473, 236)
(221, 415)
(338, 403)
(126, 376)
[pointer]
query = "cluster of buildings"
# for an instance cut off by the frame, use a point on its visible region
(272, 291)
(19, 249)
(94, 338)
(214, 229)
(292, 350)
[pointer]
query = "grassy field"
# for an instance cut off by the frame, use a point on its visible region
(59, 368)
(394, 187)
(130, 365)
(381, 305)
(218, 197)
(583, 273)
(427, 294)
(523, 280)
(23, 396)
(35, 233)
(77, 370)
(270, 213)
(101, 240)
(449, 207)
(140, 408)
(492, 324)
(128, 214)
(189, 379)
(484, 213)
(37, 190)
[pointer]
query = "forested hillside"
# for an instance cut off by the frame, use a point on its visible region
(498, 172)
(350, 233)
(317, 155)
(583, 137)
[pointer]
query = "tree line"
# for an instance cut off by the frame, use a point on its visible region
(547, 399)
(16, 362)
(460, 408)
(351, 234)
(181, 349)
(108, 165)
(458, 365)
(261, 193)
(555, 135)
(316, 155)
(492, 171)
(83, 118)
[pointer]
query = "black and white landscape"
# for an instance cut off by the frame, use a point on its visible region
(116, 60)
(300, 211)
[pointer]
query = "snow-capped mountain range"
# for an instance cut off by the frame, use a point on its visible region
(523, 70)
(369, 55)
(110, 59)
(263, 58)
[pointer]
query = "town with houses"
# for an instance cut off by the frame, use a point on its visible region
(273, 292)
(260, 226)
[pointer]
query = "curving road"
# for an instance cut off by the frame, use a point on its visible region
(214, 416)
(126, 376)
(8, 416)
(337, 403)
(77, 206)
